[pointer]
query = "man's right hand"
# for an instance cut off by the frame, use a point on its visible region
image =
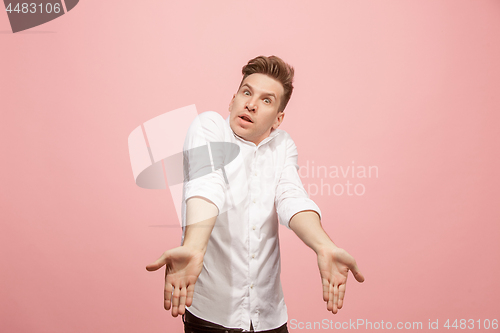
(183, 266)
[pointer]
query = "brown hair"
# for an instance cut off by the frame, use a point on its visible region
(275, 68)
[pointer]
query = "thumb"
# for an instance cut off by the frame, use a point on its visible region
(357, 274)
(157, 264)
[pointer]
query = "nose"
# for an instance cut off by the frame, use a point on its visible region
(251, 105)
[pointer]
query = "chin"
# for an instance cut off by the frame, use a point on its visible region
(241, 135)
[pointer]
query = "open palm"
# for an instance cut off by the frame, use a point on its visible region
(183, 266)
(334, 265)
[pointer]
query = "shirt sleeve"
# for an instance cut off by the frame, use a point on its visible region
(291, 197)
(200, 178)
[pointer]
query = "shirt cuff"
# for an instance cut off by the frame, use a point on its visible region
(294, 206)
(207, 187)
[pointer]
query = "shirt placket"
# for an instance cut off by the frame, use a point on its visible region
(253, 225)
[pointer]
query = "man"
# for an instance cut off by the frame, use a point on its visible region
(230, 246)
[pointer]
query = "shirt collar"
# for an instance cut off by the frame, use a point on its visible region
(271, 136)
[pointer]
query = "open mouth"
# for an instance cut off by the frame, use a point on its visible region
(246, 118)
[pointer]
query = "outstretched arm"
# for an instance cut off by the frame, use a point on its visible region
(183, 264)
(334, 263)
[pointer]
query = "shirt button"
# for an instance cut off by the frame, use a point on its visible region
(254, 201)
(253, 255)
(251, 286)
(254, 227)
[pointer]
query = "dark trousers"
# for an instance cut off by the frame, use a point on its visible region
(193, 324)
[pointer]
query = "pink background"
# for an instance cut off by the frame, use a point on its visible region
(411, 87)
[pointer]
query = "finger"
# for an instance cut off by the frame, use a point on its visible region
(329, 306)
(326, 289)
(157, 264)
(189, 294)
(168, 290)
(335, 298)
(153, 267)
(182, 300)
(167, 296)
(175, 301)
(357, 275)
(356, 272)
(341, 296)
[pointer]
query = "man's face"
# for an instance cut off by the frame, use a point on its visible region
(254, 108)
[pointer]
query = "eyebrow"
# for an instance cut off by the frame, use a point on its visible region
(265, 93)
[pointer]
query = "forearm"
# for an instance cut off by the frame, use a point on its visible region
(307, 226)
(200, 220)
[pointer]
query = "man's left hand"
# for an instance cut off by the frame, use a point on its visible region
(334, 264)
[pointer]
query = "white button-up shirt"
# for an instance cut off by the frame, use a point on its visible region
(240, 280)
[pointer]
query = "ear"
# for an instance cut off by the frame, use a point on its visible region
(279, 120)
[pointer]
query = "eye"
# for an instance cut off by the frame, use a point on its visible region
(267, 101)
(246, 92)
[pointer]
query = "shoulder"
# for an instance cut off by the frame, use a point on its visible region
(283, 139)
(211, 117)
(206, 127)
(209, 121)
